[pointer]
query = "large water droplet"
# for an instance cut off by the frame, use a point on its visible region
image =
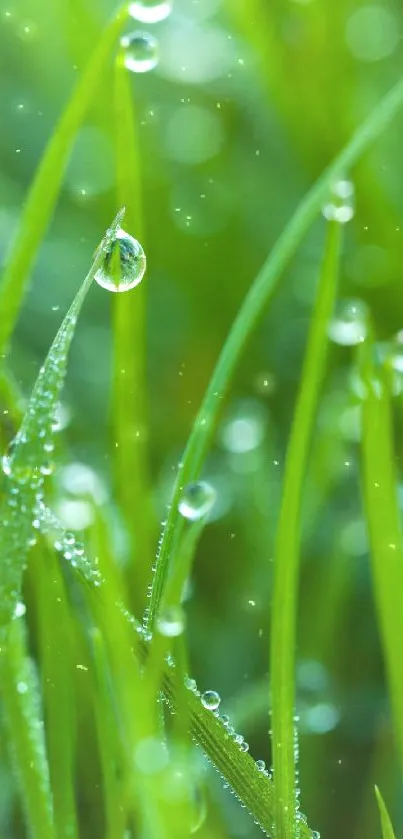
(140, 52)
(150, 11)
(124, 264)
(349, 324)
(210, 700)
(340, 206)
(197, 500)
(171, 622)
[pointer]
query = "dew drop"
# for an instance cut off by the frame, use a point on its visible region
(197, 500)
(210, 700)
(150, 11)
(340, 206)
(19, 610)
(260, 765)
(349, 324)
(140, 52)
(124, 264)
(171, 622)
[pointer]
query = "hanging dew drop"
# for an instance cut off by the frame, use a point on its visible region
(349, 325)
(260, 765)
(124, 264)
(140, 52)
(171, 622)
(197, 500)
(210, 700)
(150, 11)
(340, 206)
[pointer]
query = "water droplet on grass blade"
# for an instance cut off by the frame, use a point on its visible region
(349, 324)
(260, 765)
(124, 264)
(140, 52)
(197, 500)
(171, 622)
(340, 205)
(210, 700)
(150, 11)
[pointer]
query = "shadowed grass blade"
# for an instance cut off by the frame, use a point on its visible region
(45, 188)
(129, 386)
(24, 721)
(379, 480)
(286, 554)
(248, 316)
(387, 829)
(27, 464)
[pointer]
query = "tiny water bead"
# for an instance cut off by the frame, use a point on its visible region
(124, 264)
(210, 700)
(171, 622)
(340, 205)
(140, 52)
(349, 325)
(150, 11)
(197, 500)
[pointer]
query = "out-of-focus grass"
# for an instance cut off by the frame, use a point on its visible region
(281, 90)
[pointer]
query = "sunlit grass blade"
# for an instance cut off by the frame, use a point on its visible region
(248, 316)
(42, 196)
(286, 554)
(387, 829)
(56, 642)
(24, 721)
(379, 479)
(129, 385)
(27, 463)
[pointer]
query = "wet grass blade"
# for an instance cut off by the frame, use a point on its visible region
(248, 316)
(24, 722)
(387, 829)
(129, 386)
(379, 481)
(42, 196)
(27, 464)
(287, 548)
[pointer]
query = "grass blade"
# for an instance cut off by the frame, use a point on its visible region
(129, 387)
(43, 193)
(20, 694)
(248, 316)
(379, 480)
(28, 462)
(57, 649)
(387, 829)
(286, 554)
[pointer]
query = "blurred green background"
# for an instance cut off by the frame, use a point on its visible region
(248, 103)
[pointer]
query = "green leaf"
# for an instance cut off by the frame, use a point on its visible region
(379, 480)
(27, 463)
(42, 196)
(24, 722)
(286, 558)
(129, 399)
(387, 829)
(251, 310)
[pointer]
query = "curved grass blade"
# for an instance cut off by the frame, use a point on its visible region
(379, 481)
(248, 316)
(28, 462)
(45, 188)
(387, 829)
(20, 694)
(286, 554)
(129, 386)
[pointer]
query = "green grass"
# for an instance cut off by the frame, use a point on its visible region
(100, 718)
